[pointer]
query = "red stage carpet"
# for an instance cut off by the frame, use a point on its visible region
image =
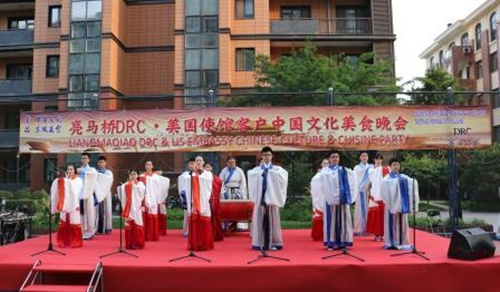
(229, 271)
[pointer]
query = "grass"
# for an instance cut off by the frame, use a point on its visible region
(424, 207)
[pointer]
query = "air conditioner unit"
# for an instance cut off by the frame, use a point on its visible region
(467, 50)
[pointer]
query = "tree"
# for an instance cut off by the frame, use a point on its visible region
(435, 79)
(307, 71)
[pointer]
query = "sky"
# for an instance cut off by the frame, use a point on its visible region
(417, 24)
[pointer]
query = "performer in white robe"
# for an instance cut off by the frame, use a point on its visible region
(182, 195)
(339, 188)
(64, 199)
(103, 195)
(164, 183)
(376, 210)
(88, 199)
(318, 203)
(362, 171)
(198, 188)
(131, 196)
(267, 188)
(151, 201)
(234, 187)
(397, 191)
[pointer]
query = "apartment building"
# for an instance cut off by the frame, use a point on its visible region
(468, 49)
(129, 54)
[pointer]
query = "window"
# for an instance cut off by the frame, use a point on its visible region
(11, 120)
(50, 169)
(494, 62)
(19, 72)
(21, 23)
(441, 58)
(293, 12)
(479, 69)
(193, 79)
(478, 32)
(431, 62)
(245, 59)
(497, 134)
(493, 26)
(451, 45)
(54, 16)
(464, 41)
(244, 9)
(52, 69)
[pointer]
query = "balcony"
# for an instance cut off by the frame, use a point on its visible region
(333, 27)
(16, 39)
(9, 138)
(11, 87)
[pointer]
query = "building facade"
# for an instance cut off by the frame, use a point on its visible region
(58, 55)
(468, 49)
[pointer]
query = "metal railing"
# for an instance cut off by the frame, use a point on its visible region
(332, 26)
(18, 37)
(14, 86)
(9, 138)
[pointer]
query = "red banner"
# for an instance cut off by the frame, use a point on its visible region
(249, 129)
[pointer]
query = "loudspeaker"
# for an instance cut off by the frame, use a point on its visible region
(471, 244)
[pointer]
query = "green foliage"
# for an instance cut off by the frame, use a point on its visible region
(479, 174)
(300, 210)
(300, 173)
(435, 79)
(307, 71)
(430, 172)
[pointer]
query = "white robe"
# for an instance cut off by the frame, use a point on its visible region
(318, 200)
(362, 200)
(376, 177)
(337, 226)
(234, 187)
(71, 206)
(396, 225)
(153, 192)
(205, 186)
(138, 193)
(164, 183)
(89, 219)
(104, 197)
(182, 194)
(275, 198)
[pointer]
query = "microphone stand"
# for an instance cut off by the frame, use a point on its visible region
(266, 228)
(120, 248)
(50, 247)
(414, 247)
(191, 253)
(344, 250)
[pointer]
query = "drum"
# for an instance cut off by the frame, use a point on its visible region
(236, 210)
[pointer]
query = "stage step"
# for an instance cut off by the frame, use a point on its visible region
(65, 269)
(55, 288)
(54, 277)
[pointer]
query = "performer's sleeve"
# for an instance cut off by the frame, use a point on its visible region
(151, 190)
(165, 188)
(222, 174)
(141, 190)
(317, 193)
(329, 185)
(243, 188)
(186, 183)
(353, 184)
(417, 195)
(90, 183)
(253, 184)
(54, 196)
(277, 187)
(120, 192)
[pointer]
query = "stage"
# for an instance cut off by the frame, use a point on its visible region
(152, 271)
